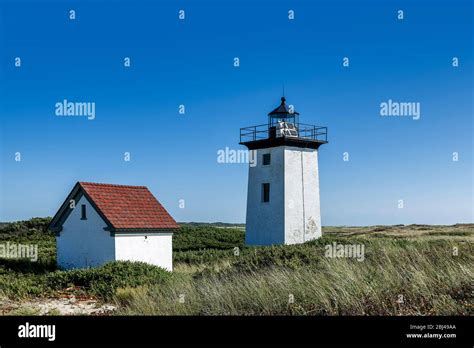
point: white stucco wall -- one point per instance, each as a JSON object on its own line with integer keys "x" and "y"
{"x": 84, "y": 243}
{"x": 152, "y": 248}
{"x": 265, "y": 221}
{"x": 302, "y": 208}
{"x": 293, "y": 213}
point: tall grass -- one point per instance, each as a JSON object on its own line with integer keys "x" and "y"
{"x": 406, "y": 270}
{"x": 396, "y": 278}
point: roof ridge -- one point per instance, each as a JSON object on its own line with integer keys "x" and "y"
{"x": 113, "y": 185}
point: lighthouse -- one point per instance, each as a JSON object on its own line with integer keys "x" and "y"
{"x": 283, "y": 205}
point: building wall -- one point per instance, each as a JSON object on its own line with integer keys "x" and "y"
{"x": 302, "y": 204}
{"x": 152, "y": 248}
{"x": 265, "y": 221}
{"x": 84, "y": 243}
{"x": 293, "y": 214}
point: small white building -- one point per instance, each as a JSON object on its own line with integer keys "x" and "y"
{"x": 283, "y": 205}
{"x": 98, "y": 223}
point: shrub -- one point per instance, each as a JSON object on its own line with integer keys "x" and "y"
{"x": 103, "y": 281}
{"x": 291, "y": 256}
{"x": 204, "y": 237}
{"x": 33, "y": 229}
{"x": 202, "y": 256}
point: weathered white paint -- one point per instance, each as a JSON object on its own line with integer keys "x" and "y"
{"x": 293, "y": 214}
{"x": 302, "y": 204}
{"x": 85, "y": 243}
{"x": 152, "y": 248}
{"x": 265, "y": 221}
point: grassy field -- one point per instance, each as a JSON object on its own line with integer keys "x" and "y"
{"x": 415, "y": 269}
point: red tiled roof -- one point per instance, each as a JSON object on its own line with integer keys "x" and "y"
{"x": 126, "y": 207}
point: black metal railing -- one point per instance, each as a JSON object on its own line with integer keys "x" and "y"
{"x": 305, "y": 131}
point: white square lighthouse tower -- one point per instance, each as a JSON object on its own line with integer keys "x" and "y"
{"x": 283, "y": 188}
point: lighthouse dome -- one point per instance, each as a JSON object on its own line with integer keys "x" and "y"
{"x": 282, "y": 110}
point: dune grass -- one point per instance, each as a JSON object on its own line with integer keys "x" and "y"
{"x": 396, "y": 277}
{"x": 415, "y": 269}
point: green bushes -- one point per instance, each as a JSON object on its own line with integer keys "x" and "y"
{"x": 202, "y": 256}
{"x": 103, "y": 281}
{"x": 32, "y": 232}
{"x": 205, "y": 244}
{"x": 207, "y": 237}
{"x": 33, "y": 229}
{"x": 290, "y": 256}
{"x": 21, "y": 278}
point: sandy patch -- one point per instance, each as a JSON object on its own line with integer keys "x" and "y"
{"x": 56, "y": 306}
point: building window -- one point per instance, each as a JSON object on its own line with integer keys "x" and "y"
{"x": 266, "y": 192}
{"x": 266, "y": 159}
{"x": 83, "y": 212}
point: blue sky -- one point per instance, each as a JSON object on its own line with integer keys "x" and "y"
{"x": 190, "y": 62}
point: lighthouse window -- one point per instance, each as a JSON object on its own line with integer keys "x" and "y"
{"x": 266, "y": 159}
{"x": 265, "y": 192}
